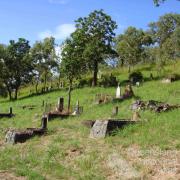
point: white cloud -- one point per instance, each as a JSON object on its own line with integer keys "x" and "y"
{"x": 58, "y": 1}
{"x": 61, "y": 32}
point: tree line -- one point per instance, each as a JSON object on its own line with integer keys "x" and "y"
{"x": 94, "y": 42}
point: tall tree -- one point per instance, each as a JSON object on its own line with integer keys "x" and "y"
{"x": 131, "y": 45}
{"x": 95, "y": 33}
{"x": 164, "y": 27}
{"x": 44, "y": 56}
{"x": 16, "y": 65}
{"x": 165, "y": 33}
{"x": 158, "y": 2}
{"x": 71, "y": 64}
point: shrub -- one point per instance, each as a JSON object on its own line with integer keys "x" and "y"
{"x": 173, "y": 77}
{"x": 108, "y": 81}
{"x": 135, "y": 77}
{"x": 87, "y": 81}
{"x": 3, "y": 91}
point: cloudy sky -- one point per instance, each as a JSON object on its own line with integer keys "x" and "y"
{"x": 37, "y": 19}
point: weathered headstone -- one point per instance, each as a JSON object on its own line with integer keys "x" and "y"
{"x": 99, "y": 129}
{"x": 136, "y": 116}
{"x": 138, "y": 84}
{"x": 151, "y": 76}
{"x": 44, "y": 122}
{"x": 10, "y": 111}
{"x": 60, "y": 104}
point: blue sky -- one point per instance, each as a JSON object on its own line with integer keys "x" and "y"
{"x": 36, "y": 19}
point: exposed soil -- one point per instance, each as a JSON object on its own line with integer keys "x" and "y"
{"x": 5, "y": 175}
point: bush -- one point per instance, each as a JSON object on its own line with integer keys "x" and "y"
{"x": 173, "y": 77}
{"x": 135, "y": 77}
{"x": 3, "y": 91}
{"x": 108, "y": 81}
{"x": 87, "y": 81}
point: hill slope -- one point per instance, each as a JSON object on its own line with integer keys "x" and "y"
{"x": 149, "y": 149}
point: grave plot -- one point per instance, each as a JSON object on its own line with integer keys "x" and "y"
{"x": 103, "y": 98}
{"x": 101, "y": 128}
{"x": 153, "y": 106}
{"x": 14, "y": 136}
{"x": 8, "y": 115}
{"x": 128, "y": 93}
{"x": 171, "y": 78}
{"x": 61, "y": 111}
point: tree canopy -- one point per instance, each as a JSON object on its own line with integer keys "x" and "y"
{"x": 95, "y": 34}
{"x": 131, "y": 45}
{"x": 16, "y": 65}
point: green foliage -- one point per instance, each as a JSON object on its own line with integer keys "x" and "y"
{"x": 16, "y": 66}
{"x": 85, "y": 81}
{"x": 173, "y": 76}
{"x": 135, "y": 77}
{"x": 165, "y": 32}
{"x": 95, "y": 35}
{"x": 3, "y": 90}
{"x": 131, "y": 46}
{"x": 44, "y": 59}
{"x": 66, "y": 152}
{"x": 158, "y": 2}
{"x": 71, "y": 64}
{"x": 108, "y": 81}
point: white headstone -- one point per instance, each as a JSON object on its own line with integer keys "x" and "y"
{"x": 138, "y": 84}
{"x": 118, "y": 92}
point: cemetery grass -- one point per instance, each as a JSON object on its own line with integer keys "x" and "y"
{"x": 67, "y": 152}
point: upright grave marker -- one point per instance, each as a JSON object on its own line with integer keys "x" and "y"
{"x": 60, "y": 104}
{"x": 118, "y": 92}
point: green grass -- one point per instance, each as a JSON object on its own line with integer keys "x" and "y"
{"x": 66, "y": 152}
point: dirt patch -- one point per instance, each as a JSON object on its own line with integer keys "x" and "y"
{"x": 122, "y": 169}
{"x": 155, "y": 163}
{"x": 5, "y": 175}
{"x": 73, "y": 153}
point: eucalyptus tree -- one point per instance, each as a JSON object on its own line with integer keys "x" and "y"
{"x": 165, "y": 33}
{"x": 95, "y": 33}
{"x": 131, "y": 46}
{"x": 16, "y": 65}
{"x": 72, "y": 66}
{"x": 44, "y": 57}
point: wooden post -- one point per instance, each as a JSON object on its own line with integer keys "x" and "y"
{"x": 60, "y": 104}
{"x": 44, "y": 122}
{"x": 10, "y": 110}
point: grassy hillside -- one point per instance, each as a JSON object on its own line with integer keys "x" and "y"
{"x": 67, "y": 152}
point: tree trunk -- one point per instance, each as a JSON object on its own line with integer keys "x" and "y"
{"x": 36, "y": 87}
{"x": 69, "y": 95}
{"x": 59, "y": 80}
{"x": 94, "y": 83}
{"x": 16, "y": 94}
{"x": 45, "y": 80}
{"x": 10, "y": 95}
{"x": 9, "y": 91}
{"x": 129, "y": 69}
{"x": 122, "y": 62}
